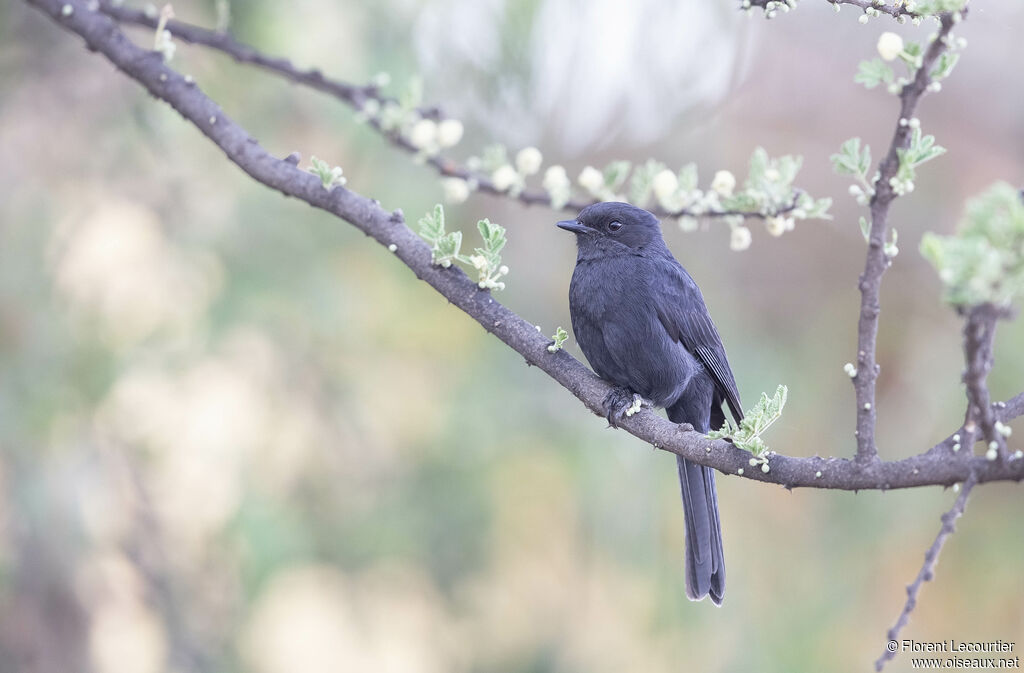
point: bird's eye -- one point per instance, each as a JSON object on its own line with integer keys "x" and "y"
{"x": 615, "y": 226}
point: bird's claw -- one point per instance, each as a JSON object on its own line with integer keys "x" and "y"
{"x": 621, "y": 402}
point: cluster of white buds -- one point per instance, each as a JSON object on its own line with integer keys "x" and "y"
{"x": 723, "y": 183}
{"x": 456, "y": 190}
{"x": 901, "y": 187}
{"x": 426, "y": 135}
{"x": 862, "y": 193}
{"x": 510, "y": 178}
{"x": 558, "y": 186}
{"x": 777, "y": 225}
{"x": 740, "y": 238}
{"x": 591, "y": 180}
{"x": 529, "y": 161}
{"x": 771, "y": 8}
{"x": 505, "y": 178}
{"x": 673, "y": 196}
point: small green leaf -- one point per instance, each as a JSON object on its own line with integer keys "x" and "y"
{"x": 411, "y": 96}
{"x": 615, "y": 174}
{"x": 945, "y": 64}
{"x": 755, "y": 422}
{"x": 688, "y": 177}
{"x": 640, "y": 184}
{"x": 852, "y": 159}
{"x": 874, "y": 72}
{"x": 560, "y": 336}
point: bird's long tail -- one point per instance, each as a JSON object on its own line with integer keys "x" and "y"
{"x": 705, "y": 559}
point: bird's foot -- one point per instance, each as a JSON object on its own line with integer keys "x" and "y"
{"x": 621, "y": 402}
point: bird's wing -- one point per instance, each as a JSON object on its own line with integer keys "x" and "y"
{"x": 682, "y": 312}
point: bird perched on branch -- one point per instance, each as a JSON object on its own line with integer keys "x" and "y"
{"x": 641, "y": 322}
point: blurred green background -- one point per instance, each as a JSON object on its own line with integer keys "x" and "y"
{"x": 236, "y": 435}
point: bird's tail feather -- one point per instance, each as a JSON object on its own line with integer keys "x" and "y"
{"x": 705, "y": 559}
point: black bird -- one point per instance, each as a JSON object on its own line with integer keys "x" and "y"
{"x": 642, "y": 324}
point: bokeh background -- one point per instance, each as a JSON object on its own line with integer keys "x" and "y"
{"x": 236, "y": 435}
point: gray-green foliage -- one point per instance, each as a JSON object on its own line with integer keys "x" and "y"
{"x": 747, "y": 435}
{"x": 642, "y": 182}
{"x": 984, "y": 261}
{"x": 329, "y": 175}
{"x": 559, "y": 337}
{"x": 487, "y": 260}
{"x": 944, "y": 65}
{"x": 922, "y": 148}
{"x": 874, "y": 72}
{"x": 615, "y": 174}
{"x": 445, "y": 248}
{"x": 769, "y": 183}
{"x": 937, "y": 6}
{"x": 852, "y": 159}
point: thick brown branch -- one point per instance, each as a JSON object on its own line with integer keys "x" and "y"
{"x": 356, "y": 97}
{"x": 877, "y": 261}
{"x": 931, "y": 557}
{"x": 938, "y": 466}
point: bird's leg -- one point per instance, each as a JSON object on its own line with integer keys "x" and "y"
{"x": 621, "y": 402}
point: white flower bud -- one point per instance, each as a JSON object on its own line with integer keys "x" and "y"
{"x": 529, "y": 160}
{"x": 850, "y": 370}
{"x": 423, "y": 134}
{"x": 740, "y": 239}
{"x": 890, "y": 46}
{"x": 863, "y": 18}
{"x": 777, "y": 225}
{"x": 665, "y": 184}
{"x": 555, "y": 178}
{"x": 504, "y": 177}
{"x": 591, "y": 179}
{"x": 456, "y": 190}
{"x": 449, "y": 133}
{"x": 723, "y": 183}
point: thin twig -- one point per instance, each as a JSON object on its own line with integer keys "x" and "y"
{"x": 356, "y": 97}
{"x": 877, "y": 261}
{"x": 891, "y": 10}
{"x": 979, "y": 334}
{"x": 937, "y": 466}
{"x": 931, "y": 557}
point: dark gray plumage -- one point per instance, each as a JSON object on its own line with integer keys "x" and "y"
{"x": 642, "y": 324}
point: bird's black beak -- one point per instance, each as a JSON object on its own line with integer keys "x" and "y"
{"x": 574, "y": 226}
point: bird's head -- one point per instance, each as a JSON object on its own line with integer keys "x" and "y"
{"x": 612, "y": 227}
